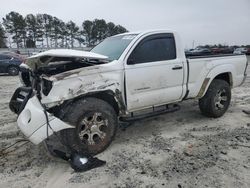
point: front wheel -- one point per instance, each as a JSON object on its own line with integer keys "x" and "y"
{"x": 216, "y": 100}
{"x": 95, "y": 125}
{"x": 13, "y": 71}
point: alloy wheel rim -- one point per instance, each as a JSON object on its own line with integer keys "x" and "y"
{"x": 220, "y": 99}
{"x": 93, "y": 129}
{"x": 13, "y": 71}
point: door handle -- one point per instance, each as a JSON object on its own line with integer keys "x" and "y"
{"x": 177, "y": 67}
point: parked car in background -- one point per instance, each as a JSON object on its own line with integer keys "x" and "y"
{"x": 240, "y": 51}
{"x": 199, "y": 52}
{"x": 13, "y": 54}
{"x": 9, "y": 64}
{"x": 224, "y": 50}
{"x": 248, "y": 51}
{"x": 188, "y": 52}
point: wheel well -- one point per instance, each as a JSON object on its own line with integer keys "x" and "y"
{"x": 226, "y": 77}
{"x": 108, "y": 97}
{"x": 105, "y": 95}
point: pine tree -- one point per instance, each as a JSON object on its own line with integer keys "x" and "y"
{"x": 73, "y": 31}
{"x": 46, "y": 21}
{"x": 34, "y": 28}
{"x": 2, "y": 37}
{"x": 16, "y": 26}
{"x": 97, "y": 30}
{"x": 87, "y": 31}
{"x": 56, "y": 31}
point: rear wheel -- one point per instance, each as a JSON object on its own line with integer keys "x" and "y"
{"x": 95, "y": 125}
{"x": 13, "y": 71}
{"x": 216, "y": 100}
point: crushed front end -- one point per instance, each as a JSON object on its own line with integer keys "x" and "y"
{"x": 33, "y": 119}
{"x": 51, "y": 79}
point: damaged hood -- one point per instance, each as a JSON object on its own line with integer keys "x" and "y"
{"x": 37, "y": 61}
{"x": 70, "y": 53}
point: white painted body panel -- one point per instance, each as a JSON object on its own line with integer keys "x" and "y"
{"x": 141, "y": 86}
{"x": 152, "y": 84}
{"x": 202, "y": 68}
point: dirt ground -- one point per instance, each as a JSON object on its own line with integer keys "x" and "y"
{"x": 182, "y": 150}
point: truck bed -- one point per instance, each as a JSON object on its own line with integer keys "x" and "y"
{"x": 200, "y": 67}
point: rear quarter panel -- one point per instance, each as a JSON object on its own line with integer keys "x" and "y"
{"x": 202, "y": 68}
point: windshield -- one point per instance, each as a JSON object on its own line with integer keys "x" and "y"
{"x": 113, "y": 47}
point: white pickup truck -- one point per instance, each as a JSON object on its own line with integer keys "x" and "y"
{"x": 83, "y": 95}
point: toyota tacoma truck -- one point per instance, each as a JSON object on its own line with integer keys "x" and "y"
{"x": 81, "y": 96}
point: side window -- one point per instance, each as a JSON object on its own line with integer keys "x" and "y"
{"x": 156, "y": 48}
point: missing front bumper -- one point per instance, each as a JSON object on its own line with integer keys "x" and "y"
{"x": 31, "y": 116}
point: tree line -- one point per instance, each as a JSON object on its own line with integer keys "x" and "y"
{"x": 44, "y": 30}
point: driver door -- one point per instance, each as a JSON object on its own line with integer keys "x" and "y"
{"x": 153, "y": 74}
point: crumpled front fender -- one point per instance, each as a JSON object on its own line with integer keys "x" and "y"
{"x": 74, "y": 87}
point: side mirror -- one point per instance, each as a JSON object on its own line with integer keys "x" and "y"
{"x": 131, "y": 61}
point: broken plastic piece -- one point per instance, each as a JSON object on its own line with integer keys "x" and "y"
{"x": 79, "y": 162}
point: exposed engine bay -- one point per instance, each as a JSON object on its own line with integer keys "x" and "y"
{"x": 37, "y": 72}
{"x": 56, "y": 65}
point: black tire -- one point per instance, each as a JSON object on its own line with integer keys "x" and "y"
{"x": 13, "y": 71}
{"x": 216, "y": 100}
{"x": 54, "y": 143}
{"x": 95, "y": 125}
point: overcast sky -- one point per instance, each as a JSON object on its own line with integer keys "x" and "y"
{"x": 202, "y": 21}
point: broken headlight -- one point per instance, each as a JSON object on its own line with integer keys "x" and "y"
{"x": 46, "y": 86}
